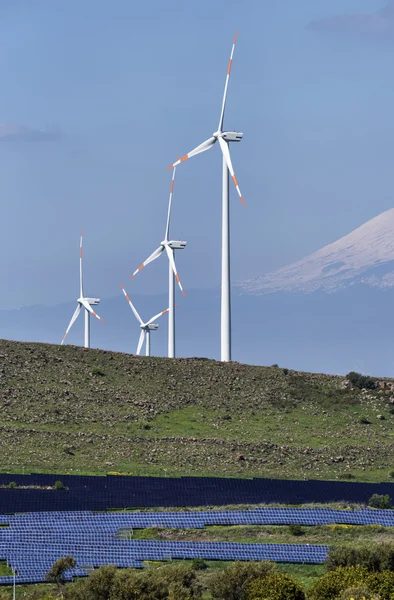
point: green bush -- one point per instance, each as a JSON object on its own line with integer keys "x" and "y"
{"x": 170, "y": 582}
{"x": 358, "y": 593}
{"x": 331, "y": 585}
{"x": 361, "y": 381}
{"x": 198, "y": 564}
{"x": 12, "y": 484}
{"x": 295, "y": 529}
{"x": 374, "y": 557}
{"x": 97, "y": 371}
{"x": 58, "y": 485}
{"x": 379, "y": 501}
{"x": 275, "y": 586}
{"x": 381, "y": 584}
{"x": 232, "y": 583}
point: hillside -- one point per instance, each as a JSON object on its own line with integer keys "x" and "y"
{"x": 67, "y": 409}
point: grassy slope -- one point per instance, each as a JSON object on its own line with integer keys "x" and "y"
{"x": 330, "y": 535}
{"x": 67, "y": 409}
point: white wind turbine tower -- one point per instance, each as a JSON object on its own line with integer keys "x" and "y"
{"x": 223, "y": 137}
{"x": 169, "y": 246}
{"x": 86, "y": 303}
{"x": 146, "y": 328}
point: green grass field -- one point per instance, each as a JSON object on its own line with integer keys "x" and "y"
{"x": 71, "y": 410}
{"x": 5, "y": 571}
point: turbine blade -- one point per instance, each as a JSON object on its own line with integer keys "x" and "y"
{"x": 80, "y": 265}
{"x": 170, "y": 254}
{"x": 220, "y": 128}
{"x": 170, "y": 204}
{"x": 90, "y": 309}
{"x": 132, "y": 305}
{"x": 227, "y": 158}
{"x": 73, "y": 319}
{"x": 163, "y": 312}
{"x": 150, "y": 258}
{"x": 201, "y": 148}
{"x": 140, "y": 342}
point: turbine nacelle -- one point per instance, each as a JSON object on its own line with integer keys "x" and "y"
{"x": 232, "y": 136}
{"x": 91, "y": 301}
{"x": 150, "y": 327}
{"x": 176, "y": 244}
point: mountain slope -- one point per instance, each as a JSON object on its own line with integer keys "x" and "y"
{"x": 67, "y": 409}
{"x": 366, "y": 255}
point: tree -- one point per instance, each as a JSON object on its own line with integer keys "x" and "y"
{"x": 172, "y": 582}
{"x": 179, "y": 581}
{"x": 380, "y": 501}
{"x": 232, "y": 583}
{"x": 331, "y": 585}
{"x": 358, "y": 593}
{"x": 361, "y": 381}
{"x": 275, "y": 586}
{"x": 58, "y": 570}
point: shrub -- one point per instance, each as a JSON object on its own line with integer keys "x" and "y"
{"x": 232, "y": 583}
{"x": 58, "y": 485}
{"x": 98, "y": 371}
{"x": 275, "y": 366}
{"x": 285, "y": 371}
{"x": 379, "y": 501}
{"x": 382, "y": 584}
{"x": 374, "y": 557}
{"x": 12, "y": 484}
{"x": 198, "y": 564}
{"x": 361, "y": 381}
{"x": 331, "y": 585}
{"x": 365, "y": 421}
{"x": 296, "y": 529}
{"x": 275, "y": 586}
{"x": 170, "y": 582}
{"x": 357, "y": 593}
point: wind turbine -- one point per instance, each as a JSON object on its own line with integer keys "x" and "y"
{"x": 145, "y": 327}
{"x": 224, "y": 138}
{"x": 169, "y": 246}
{"x": 86, "y": 303}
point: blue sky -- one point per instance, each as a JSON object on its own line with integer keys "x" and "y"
{"x": 131, "y": 85}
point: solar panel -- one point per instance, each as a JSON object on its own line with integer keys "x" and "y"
{"x": 40, "y": 538}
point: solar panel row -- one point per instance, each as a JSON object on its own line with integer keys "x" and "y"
{"x": 102, "y": 493}
{"x": 32, "y": 542}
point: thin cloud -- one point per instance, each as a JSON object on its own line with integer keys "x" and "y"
{"x": 14, "y": 132}
{"x": 379, "y": 23}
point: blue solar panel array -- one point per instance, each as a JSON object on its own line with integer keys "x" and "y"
{"x": 32, "y": 542}
{"x": 102, "y": 493}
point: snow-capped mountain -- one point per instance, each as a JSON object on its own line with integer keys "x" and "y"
{"x": 366, "y": 255}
